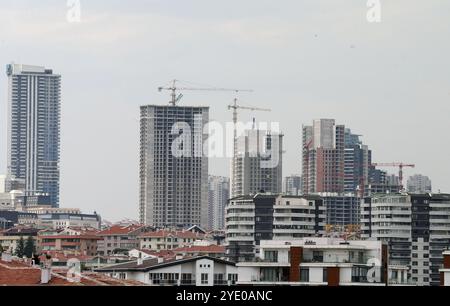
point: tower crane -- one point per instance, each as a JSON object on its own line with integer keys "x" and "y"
{"x": 400, "y": 166}
{"x": 175, "y": 98}
{"x": 235, "y": 108}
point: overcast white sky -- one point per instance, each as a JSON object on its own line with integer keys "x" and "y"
{"x": 388, "y": 81}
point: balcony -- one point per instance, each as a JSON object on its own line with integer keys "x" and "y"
{"x": 357, "y": 260}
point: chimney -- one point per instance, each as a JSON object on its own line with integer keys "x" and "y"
{"x": 46, "y": 275}
{"x": 140, "y": 261}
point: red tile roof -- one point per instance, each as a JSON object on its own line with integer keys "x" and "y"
{"x": 178, "y": 234}
{"x": 83, "y": 237}
{"x": 63, "y": 257}
{"x": 159, "y": 253}
{"x": 119, "y": 230}
{"x": 201, "y": 249}
{"x": 20, "y": 274}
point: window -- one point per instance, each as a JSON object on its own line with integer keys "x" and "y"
{"x": 325, "y": 275}
{"x": 219, "y": 279}
{"x": 317, "y": 256}
{"x": 186, "y": 279}
{"x": 271, "y": 256}
{"x": 269, "y": 274}
{"x": 233, "y": 278}
{"x": 204, "y": 279}
{"x": 304, "y": 275}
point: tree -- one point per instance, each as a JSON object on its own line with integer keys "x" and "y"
{"x": 20, "y": 249}
{"x": 29, "y": 247}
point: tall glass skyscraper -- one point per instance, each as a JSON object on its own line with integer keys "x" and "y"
{"x": 173, "y": 173}
{"x": 34, "y": 106}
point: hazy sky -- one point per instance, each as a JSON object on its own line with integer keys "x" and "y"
{"x": 389, "y": 81}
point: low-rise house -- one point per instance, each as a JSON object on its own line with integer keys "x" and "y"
{"x": 143, "y": 254}
{"x": 198, "y": 271}
{"x": 75, "y": 243}
{"x": 10, "y": 238}
{"x": 19, "y": 273}
{"x": 62, "y": 259}
{"x": 167, "y": 239}
{"x": 119, "y": 238}
{"x": 321, "y": 262}
{"x": 199, "y": 250}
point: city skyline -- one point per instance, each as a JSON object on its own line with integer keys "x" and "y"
{"x": 285, "y": 67}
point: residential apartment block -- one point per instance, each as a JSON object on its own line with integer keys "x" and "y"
{"x": 323, "y": 157}
{"x": 292, "y": 185}
{"x": 251, "y": 219}
{"x": 173, "y": 185}
{"x": 34, "y": 106}
{"x": 342, "y": 210}
{"x": 194, "y": 271}
{"x": 74, "y": 242}
{"x": 218, "y": 195}
{"x": 119, "y": 238}
{"x": 258, "y": 163}
{"x": 167, "y": 240}
{"x": 10, "y": 238}
{"x": 321, "y": 262}
{"x": 416, "y": 228}
{"x": 419, "y": 184}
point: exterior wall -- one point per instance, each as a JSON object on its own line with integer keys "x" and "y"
{"x": 219, "y": 193}
{"x": 193, "y": 268}
{"x": 292, "y": 185}
{"x": 323, "y": 157}
{"x": 446, "y": 278}
{"x": 250, "y": 175}
{"x": 250, "y": 220}
{"x": 417, "y": 228}
{"x": 173, "y": 191}
{"x": 205, "y": 267}
{"x": 34, "y": 102}
{"x": 164, "y": 243}
{"x": 324, "y": 261}
{"x": 70, "y": 243}
{"x": 342, "y": 210}
{"x": 419, "y": 184}
{"x": 9, "y": 243}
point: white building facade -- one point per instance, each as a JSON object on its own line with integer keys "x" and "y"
{"x": 251, "y": 219}
{"x": 321, "y": 262}
{"x": 196, "y": 271}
